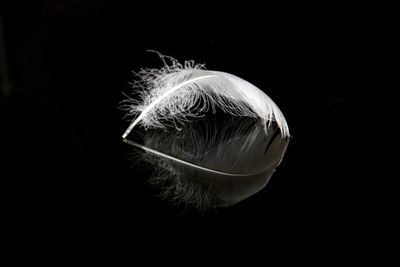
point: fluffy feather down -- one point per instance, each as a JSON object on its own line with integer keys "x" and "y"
{"x": 206, "y": 162}
{"x": 173, "y": 91}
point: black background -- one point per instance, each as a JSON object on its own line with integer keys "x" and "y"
{"x": 69, "y": 195}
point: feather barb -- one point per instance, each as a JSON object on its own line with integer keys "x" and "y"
{"x": 159, "y": 99}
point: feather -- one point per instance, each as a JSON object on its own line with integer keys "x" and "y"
{"x": 213, "y": 138}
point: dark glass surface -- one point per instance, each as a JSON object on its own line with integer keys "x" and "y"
{"x": 69, "y": 194}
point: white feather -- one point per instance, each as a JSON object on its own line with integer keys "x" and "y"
{"x": 209, "y": 160}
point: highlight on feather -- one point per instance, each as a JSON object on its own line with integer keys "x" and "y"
{"x": 213, "y": 139}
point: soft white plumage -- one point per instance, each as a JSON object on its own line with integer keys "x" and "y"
{"x": 200, "y": 155}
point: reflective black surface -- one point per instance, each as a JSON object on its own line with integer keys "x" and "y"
{"x": 69, "y": 195}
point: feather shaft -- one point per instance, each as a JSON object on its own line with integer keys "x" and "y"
{"x": 158, "y": 153}
{"x": 159, "y": 99}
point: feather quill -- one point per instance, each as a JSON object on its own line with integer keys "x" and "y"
{"x": 214, "y": 139}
